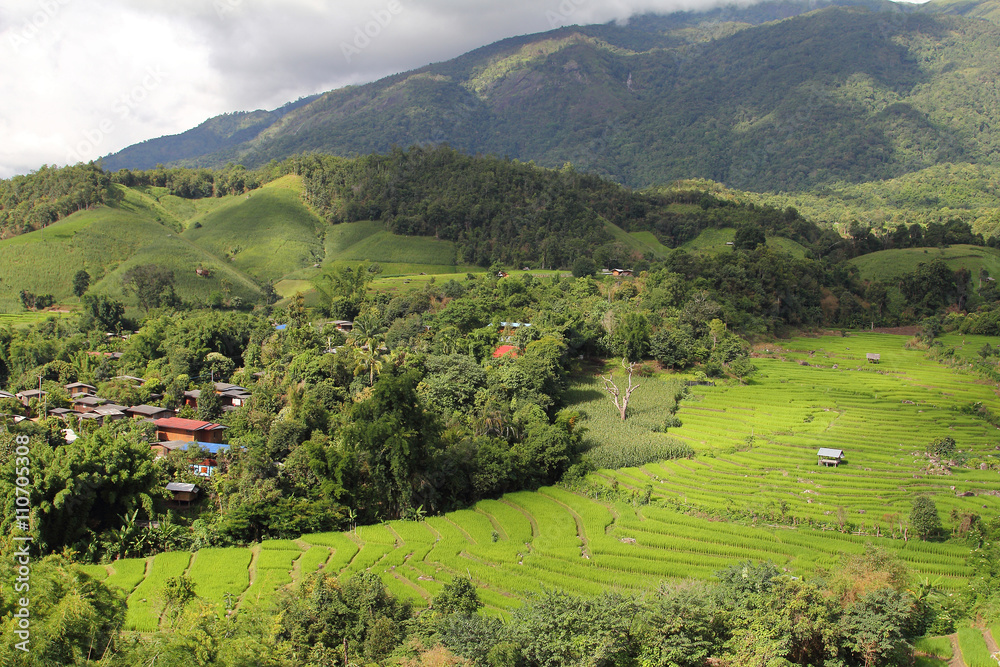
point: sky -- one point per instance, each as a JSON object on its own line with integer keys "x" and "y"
{"x": 84, "y": 78}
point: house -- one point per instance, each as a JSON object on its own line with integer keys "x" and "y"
{"x": 87, "y": 402}
{"x": 191, "y": 397}
{"x": 110, "y": 413}
{"x": 62, "y": 413}
{"x": 131, "y": 378}
{"x": 161, "y": 449}
{"x": 26, "y": 396}
{"x": 506, "y": 350}
{"x": 621, "y": 272}
{"x": 148, "y": 412}
{"x": 192, "y": 430}
{"x": 77, "y": 388}
{"x": 4, "y": 394}
{"x": 203, "y": 466}
{"x": 873, "y": 358}
{"x": 221, "y": 387}
{"x": 89, "y": 417}
{"x": 345, "y": 326}
{"x": 830, "y": 457}
{"x": 181, "y": 494}
{"x": 234, "y": 398}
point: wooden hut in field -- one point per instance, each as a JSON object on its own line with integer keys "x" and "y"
{"x": 830, "y": 457}
{"x": 873, "y": 358}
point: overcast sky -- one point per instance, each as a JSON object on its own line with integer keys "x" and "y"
{"x": 83, "y": 78}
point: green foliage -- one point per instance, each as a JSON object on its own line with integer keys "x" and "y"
{"x": 90, "y": 484}
{"x": 924, "y": 518}
{"x": 72, "y": 618}
{"x": 152, "y": 285}
{"x": 457, "y": 597}
{"x": 81, "y": 281}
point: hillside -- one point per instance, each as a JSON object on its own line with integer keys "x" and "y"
{"x": 266, "y": 234}
{"x": 843, "y": 94}
{"x": 106, "y": 242}
{"x": 603, "y": 536}
{"x": 887, "y": 265}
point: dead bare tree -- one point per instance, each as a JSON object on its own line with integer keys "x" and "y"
{"x": 621, "y": 401}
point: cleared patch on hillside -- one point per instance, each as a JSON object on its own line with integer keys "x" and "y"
{"x": 890, "y": 264}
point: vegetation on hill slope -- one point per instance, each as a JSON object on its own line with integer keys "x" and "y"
{"x": 843, "y": 94}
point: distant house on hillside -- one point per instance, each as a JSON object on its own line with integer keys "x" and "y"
{"x": 80, "y": 388}
{"x": 191, "y": 430}
{"x": 830, "y": 457}
{"x": 506, "y": 350}
{"x": 149, "y": 412}
{"x": 621, "y": 272}
{"x": 87, "y": 402}
{"x": 26, "y": 396}
{"x": 873, "y": 358}
{"x": 181, "y": 494}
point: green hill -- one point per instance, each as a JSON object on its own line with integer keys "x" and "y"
{"x": 266, "y": 234}
{"x": 889, "y": 264}
{"x": 106, "y": 242}
{"x": 773, "y": 97}
{"x": 967, "y": 192}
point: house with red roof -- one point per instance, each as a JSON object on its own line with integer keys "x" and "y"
{"x": 506, "y": 350}
{"x": 190, "y": 430}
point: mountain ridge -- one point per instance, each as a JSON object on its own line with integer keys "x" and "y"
{"x": 776, "y": 96}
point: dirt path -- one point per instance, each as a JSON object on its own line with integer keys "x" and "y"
{"x": 991, "y": 643}
{"x": 956, "y": 658}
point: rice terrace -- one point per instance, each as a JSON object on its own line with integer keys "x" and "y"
{"x": 751, "y": 491}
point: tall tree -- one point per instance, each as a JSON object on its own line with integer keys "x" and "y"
{"x": 151, "y": 284}
{"x": 81, "y": 282}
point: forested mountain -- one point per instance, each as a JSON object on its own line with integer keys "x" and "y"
{"x": 746, "y": 97}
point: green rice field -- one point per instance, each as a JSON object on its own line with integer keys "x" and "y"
{"x": 809, "y": 393}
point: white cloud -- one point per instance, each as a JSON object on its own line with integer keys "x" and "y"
{"x": 84, "y": 78}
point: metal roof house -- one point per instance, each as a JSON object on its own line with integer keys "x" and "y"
{"x": 830, "y": 457}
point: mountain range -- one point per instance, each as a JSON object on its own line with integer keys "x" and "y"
{"x": 778, "y": 96}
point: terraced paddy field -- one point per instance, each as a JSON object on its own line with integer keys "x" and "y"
{"x": 821, "y": 392}
{"x": 883, "y": 416}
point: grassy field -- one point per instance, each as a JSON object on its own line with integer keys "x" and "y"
{"x": 890, "y": 264}
{"x": 810, "y": 393}
{"x": 106, "y": 242}
{"x": 266, "y": 234}
{"x": 714, "y": 241}
{"x": 638, "y": 242}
